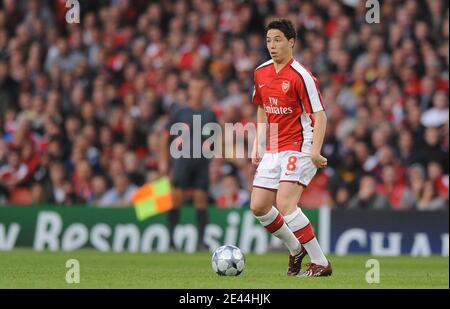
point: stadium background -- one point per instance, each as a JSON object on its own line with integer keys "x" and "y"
{"x": 82, "y": 106}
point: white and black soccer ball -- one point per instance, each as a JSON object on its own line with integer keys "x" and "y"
{"x": 228, "y": 260}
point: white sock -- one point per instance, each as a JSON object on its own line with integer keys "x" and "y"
{"x": 302, "y": 229}
{"x": 296, "y": 220}
{"x": 275, "y": 224}
{"x": 315, "y": 252}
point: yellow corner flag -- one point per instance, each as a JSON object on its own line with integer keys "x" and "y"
{"x": 152, "y": 198}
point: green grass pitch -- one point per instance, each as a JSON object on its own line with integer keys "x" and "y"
{"x": 28, "y": 269}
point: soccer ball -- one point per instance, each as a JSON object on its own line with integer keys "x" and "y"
{"x": 228, "y": 260}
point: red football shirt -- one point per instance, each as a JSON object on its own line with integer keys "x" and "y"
{"x": 289, "y": 98}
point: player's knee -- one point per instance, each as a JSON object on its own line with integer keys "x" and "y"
{"x": 285, "y": 207}
{"x": 258, "y": 210}
{"x": 177, "y": 201}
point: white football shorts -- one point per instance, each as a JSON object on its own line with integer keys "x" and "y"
{"x": 288, "y": 165}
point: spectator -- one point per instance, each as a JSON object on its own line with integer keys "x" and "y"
{"x": 342, "y": 197}
{"x": 14, "y": 171}
{"x": 432, "y": 150}
{"x": 406, "y": 152}
{"x": 232, "y": 195}
{"x": 429, "y": 199}
{"x": 367, "y": 197}
{"x": 385, "y": 156}
{"x": 395, "y": 191}
{"x": 348, "y": 175}
{"x": 132, "y": 168}
{"x": 3, "y": 152}
{"x": 38, "y": 197}
{"x": 99, "y": 188}
{"x": 438, "y": 114}
{"x": 416, "y": 182}
{"x": 71, "y": 196}
{"x": 82, "y": 179}
{"x": 438, "y": 178}
{"x": 120, "y": 195}
{"x": 8, "y": 87}
{"x": 55, "y": 191}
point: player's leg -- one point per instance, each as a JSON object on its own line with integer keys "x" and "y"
{"x": 180, "y": 182}
{"x": 262, "y": 207}
{"x": 173, "y": 217}
{"x": 297, "y": 172}
{"x": 200, "y": 183}
{"x": 200, "y": 198}
{"x": 287, "y": 197}
{"x": 262, "y": 199}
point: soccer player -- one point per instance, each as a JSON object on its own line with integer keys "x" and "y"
{"x": 288, "y": 99}
{"x": 188, "y": 174}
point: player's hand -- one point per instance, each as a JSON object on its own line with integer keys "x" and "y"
{"x": 256, "y": 156}
{"x": 318, "y": 160}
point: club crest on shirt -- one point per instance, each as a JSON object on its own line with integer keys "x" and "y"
{"x": 285, "y": 86}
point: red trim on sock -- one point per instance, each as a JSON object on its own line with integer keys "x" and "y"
{"x": 305, "y": 234}
{"x": 276, "y": 224}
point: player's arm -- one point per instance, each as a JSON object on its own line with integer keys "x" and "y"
{"x": 320, "y": 125}
{"x": 261, "y": 129}
{"x": 164, "y": 153}
{"x": 261, "y": 124}
{"x": 308, "y": 90}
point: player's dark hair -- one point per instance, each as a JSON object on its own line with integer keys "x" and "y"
{"x": 285, "y": 26}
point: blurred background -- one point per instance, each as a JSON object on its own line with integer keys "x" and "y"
{"x": 82, "y": 105}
